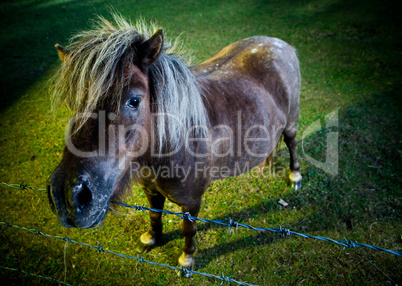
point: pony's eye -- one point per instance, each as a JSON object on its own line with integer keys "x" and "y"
{"x": 134, "y": 102}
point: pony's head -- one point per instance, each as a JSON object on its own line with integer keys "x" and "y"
{"x": 129, "y": 94}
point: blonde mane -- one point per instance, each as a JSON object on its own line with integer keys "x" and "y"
{"x": 98, "y": 68}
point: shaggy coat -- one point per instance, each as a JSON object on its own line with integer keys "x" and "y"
{"x": 142, "y": 114}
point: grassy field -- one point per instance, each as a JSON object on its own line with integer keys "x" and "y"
{"x": 350, "y": 55}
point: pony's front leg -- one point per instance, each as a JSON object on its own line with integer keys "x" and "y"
{"x": 188, "y": 230}
{"x": 156, "y": 201}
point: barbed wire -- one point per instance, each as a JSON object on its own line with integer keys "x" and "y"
{"x": 230, "y": 223}
{"x": 21, "y": 186}
{"x": 53, "y": 280}
{"x": 183, "y": 271}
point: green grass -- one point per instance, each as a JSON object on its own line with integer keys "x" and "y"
{"x": 350, "y": 56}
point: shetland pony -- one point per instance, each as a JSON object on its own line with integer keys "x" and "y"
{"x": 143, "y": 115}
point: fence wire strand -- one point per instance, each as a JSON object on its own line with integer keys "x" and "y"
{"x": 53, "y": 280}
{"x": 21, "y": 186}
{"x": 284, "y": 231}
{"x": 229, "y": 223}
{"x": 100, "y": 249}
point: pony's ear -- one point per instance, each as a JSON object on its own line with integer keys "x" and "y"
{"x": 63, "y": 53}
{"x": 149, "y": 51}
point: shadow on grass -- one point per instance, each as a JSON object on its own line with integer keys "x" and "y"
{"x": 29, "y": 31}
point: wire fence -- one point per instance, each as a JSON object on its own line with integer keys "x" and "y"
{"x": 50, "y": 279}
{"x": 229, "y": 223}
{"x": 22, "y": 186}
{"x": 183, "y": 271}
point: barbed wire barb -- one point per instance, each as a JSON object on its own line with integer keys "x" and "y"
{"x": 230, "y": 223}
{"x": 280, "y": 229}
{"x": 21, "y": 186}
{"x": 101, "y": 249}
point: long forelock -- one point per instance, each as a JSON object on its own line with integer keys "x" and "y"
{"x": 99, "y": 68}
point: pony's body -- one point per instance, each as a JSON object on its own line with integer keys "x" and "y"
{"x": 248, "y": 98}
{"x": 243, "y": 84}
{"x": 238, "y": 99}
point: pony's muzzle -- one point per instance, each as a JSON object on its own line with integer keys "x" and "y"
{"x": 73, "y": 203}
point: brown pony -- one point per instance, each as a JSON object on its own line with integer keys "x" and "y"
{"x": 143, "y": 115}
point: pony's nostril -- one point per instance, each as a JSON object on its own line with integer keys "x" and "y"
{"x": 82, "y": 196}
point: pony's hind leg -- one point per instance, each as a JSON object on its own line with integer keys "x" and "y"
{"x": 157, "y": 201}
{"x": 291, "y": 142}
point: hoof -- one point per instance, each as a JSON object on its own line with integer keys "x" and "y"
{"x": 184, "y": 274}
{"x": 296, "y": 179}
{"x": 147, "y": 239}
{"x": 296, "y": 185}
{"x": 186, "y": 261}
